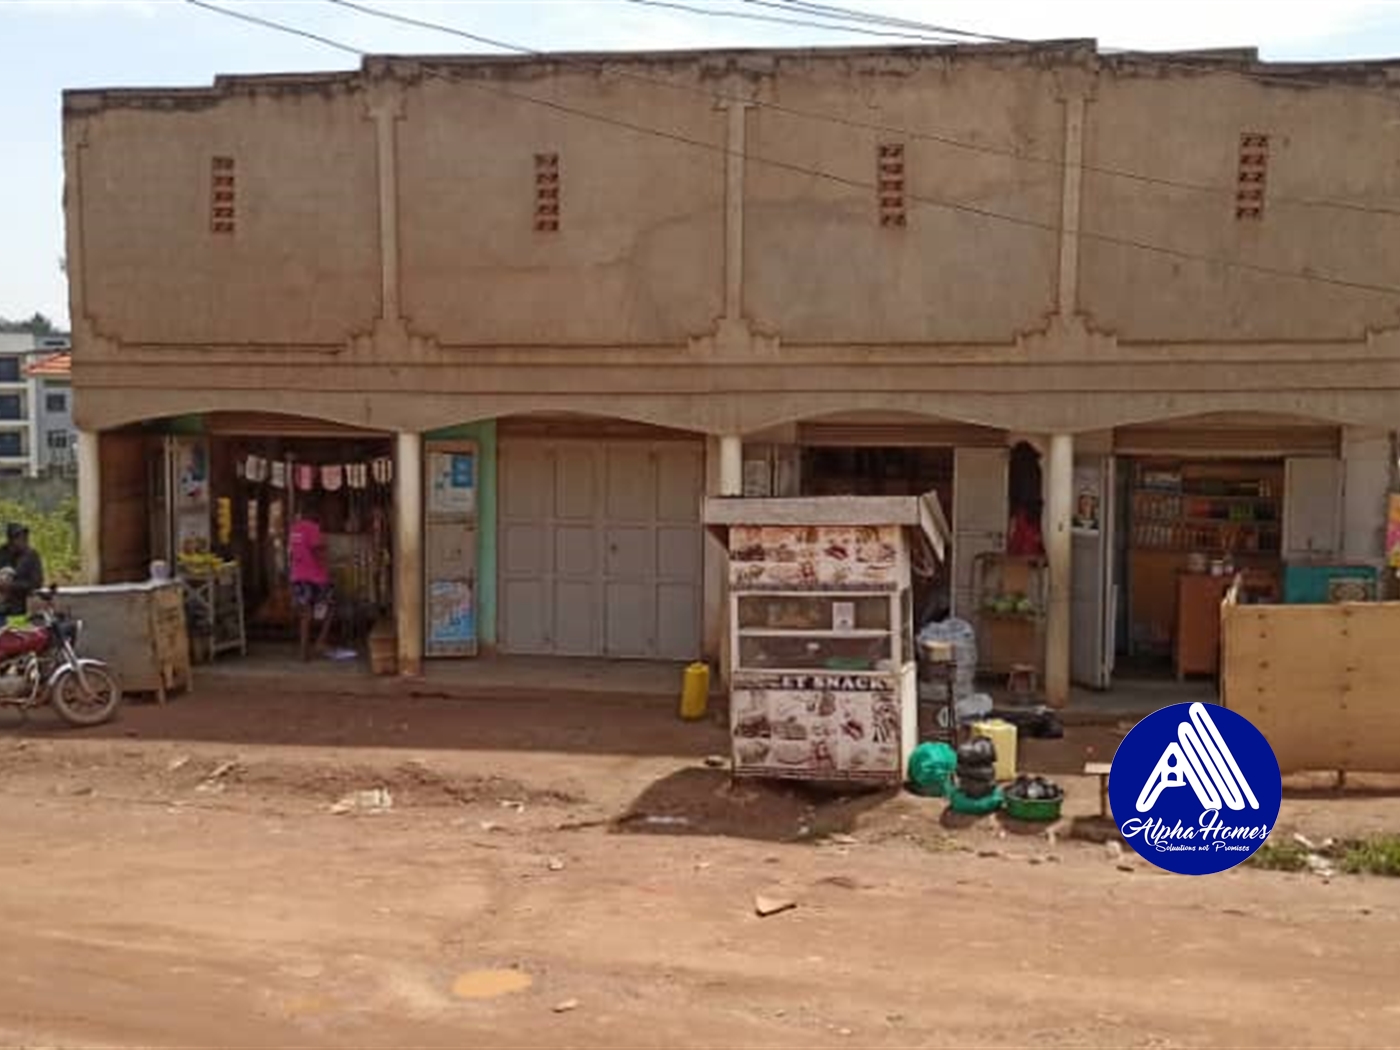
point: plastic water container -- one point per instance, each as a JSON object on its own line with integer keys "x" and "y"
{"x": 1003, "y": 737}
{"x": 695, "y": 692}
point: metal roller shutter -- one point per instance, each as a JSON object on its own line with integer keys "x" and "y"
{"x": 601, "y": 548}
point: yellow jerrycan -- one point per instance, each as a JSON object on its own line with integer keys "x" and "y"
{"x": 695, "y": 692}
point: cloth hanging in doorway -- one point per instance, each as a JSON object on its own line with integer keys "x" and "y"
{"x": 305, "y": 477}
{"x": 383, "y": 471}
{"x": 332, "y": 476}
{"x": 356, "y": 475}
{"x": 279, "y": 475}
{"x": 255, "y": 469}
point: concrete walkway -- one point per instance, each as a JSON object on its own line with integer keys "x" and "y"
{"x": 277, "y": 667}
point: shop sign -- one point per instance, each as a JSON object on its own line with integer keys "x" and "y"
{"x": 453, "y": 483}
{"x": 819, "y": 681}
{"x": 813, "y": 557}
{"x": 836, "y": 727}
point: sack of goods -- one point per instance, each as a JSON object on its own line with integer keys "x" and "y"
{"x": 961, "y": 637}
{"x": 977, "y": 768}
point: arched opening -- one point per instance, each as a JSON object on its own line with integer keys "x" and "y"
{"x": 216, "y": 499}
{"x": 897, "y": 454}
{"x": 587, "y": 541}
{"x": 1199, "y": 499}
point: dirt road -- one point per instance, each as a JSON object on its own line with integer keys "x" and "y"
{"x": 168, "y": 888}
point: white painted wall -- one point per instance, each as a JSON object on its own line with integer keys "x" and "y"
{"x": 1366, "y": 483}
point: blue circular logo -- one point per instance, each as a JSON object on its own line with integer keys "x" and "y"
{"x": 1195, "y": 788}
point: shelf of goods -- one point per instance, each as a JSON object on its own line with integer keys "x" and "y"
{"x": 216, "y": 606}
{"x": 1207, "y": 513}
{"x": 1186, "y": 516}
{"x": 1011, "y": 595}
{"x": 821, "y": 634}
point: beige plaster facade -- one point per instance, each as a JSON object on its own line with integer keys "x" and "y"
{"x": 720, "y": 266}
{"x": 385, "y": 270}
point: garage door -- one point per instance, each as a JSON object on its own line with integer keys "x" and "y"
{"x": 601, "y": 548}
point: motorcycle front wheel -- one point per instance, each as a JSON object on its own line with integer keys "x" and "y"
{"x": 91, "y": 706}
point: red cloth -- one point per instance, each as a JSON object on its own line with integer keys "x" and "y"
{"x": 1024, "y": 539}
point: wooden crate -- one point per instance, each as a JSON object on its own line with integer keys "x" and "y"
{"x": 137, "y": 628}
{"x": 1319, "y": 681}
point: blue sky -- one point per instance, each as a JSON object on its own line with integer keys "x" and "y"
{"x": 48, "y": 45}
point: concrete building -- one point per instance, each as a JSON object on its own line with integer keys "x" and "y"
{"x": 31, "y": 405}
{"x": 53, "y": 436}
{"x": 632, "y": 279}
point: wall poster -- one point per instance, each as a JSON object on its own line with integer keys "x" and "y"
{"x": 1088, "y": 498}
{"x": 822, "y": 725}
{"x": 827, "y": 557}
{"x": 451, "y": 613}
{"x": 452, "y": 483}
{"x": 1392, "y": 530}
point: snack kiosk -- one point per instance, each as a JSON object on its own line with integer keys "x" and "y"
{"x": 821, "y": 631}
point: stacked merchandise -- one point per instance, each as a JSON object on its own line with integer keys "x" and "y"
{"x": 977, "y": 760}
{"x": 961, "y": 637}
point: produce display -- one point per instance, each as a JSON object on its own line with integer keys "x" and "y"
{"x": 1010, "y": 605}
{"x": 201, "y": 564}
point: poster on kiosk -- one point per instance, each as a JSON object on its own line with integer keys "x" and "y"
{"x": 450, "y": 550}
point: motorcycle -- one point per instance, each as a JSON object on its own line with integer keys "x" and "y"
{"x": 39, "y": 664}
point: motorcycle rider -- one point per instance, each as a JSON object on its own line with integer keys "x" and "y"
{"x": 21, "y": 571}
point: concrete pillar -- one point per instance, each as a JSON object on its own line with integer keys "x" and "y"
{"x": 408, "y": 552}
{"x": 89, "y": 453}
{"x": 731, "y": 465}
{"x": 1059, "y": 506}
{"x": 1071, "y": 197}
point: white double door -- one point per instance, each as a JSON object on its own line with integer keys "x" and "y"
{"x": 601, "y": 547}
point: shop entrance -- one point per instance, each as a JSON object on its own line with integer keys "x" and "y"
{"x": 213, "y": 498}
{"x": 601, "y": 548}
{"x": 259, "y": 484}
{"x": 835, "y": 470}
{"x": 1189, "y": 526}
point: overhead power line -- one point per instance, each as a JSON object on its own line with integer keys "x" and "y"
{"x": 1200, "y": 63}
{"x": 805, "y": 23}
{"x": 450, "y": 73}
{"x": 846, "y": 14}
{"x": 1224, "y": 193}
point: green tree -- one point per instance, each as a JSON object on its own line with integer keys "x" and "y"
{"x": 36, "y": 325}
{"x": 53, "y": 534}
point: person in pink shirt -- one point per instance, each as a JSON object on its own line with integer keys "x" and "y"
{"x": 311, "y": 577}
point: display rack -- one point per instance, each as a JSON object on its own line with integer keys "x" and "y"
{"x": 1011, "y": 594}
{"x": 1208, "y": 511}
{"x": 1195, "y": 516}
{"x": 216, "y": 608}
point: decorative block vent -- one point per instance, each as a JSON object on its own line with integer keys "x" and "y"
{"x": 1249, "y": 186}
{"x": 222, "y": 191}
{"x": 889, "y": 173}
{"x": 546, "y": 192}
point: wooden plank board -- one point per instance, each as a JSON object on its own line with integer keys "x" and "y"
{"x": 1318, "y": 680}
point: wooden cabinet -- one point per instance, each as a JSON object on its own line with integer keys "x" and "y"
{"x": 1198, "y": 599}
{"x": 138, "y": 629}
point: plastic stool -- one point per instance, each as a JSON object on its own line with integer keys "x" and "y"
{"x": 1023, "y": 680}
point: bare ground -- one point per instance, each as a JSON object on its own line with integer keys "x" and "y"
{"x": 179, "y": 879}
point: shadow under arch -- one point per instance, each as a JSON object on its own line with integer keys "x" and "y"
{"x": 909, "y": 420}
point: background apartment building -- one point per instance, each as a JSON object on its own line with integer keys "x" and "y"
{"x": 36, "y": 422}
